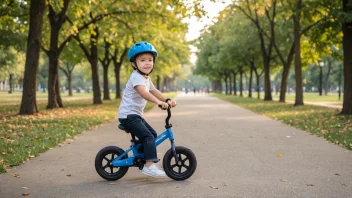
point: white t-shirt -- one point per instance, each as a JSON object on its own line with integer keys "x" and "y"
{"x": 132, "y": 102}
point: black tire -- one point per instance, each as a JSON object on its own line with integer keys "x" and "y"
{"x": 103, "y": 166}
{"x": 186, "y": 167}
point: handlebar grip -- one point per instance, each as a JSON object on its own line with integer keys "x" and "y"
{"x": 167, "y": 99}
{"x": 161, "y": 107}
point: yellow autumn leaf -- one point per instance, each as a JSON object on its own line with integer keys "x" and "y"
{"x": 279, "y": 155}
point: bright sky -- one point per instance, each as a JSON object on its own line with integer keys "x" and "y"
{"x": 195, "y": 26}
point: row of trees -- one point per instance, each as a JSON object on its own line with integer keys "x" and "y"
{"x": 98, "y": 32}
{"x": 260, "y": 37}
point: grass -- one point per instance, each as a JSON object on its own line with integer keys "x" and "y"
{"x": 320, "y": 121}
{"x": 308, "y": 96}
{"x": 24, "y": 137}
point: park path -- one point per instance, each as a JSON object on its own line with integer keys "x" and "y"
{"x": 239, "y": 153}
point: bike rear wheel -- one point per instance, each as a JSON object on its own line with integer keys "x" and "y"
{"x": 186, "y": 166}
{"x": 103, "y": 163}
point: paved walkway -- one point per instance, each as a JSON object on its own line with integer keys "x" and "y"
{"x": 239, "y": 153}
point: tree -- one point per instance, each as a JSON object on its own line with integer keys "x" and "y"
{"x": 255, "y": 12}
{"x": 28, "y": 103}
{"x": 347, "y": 47}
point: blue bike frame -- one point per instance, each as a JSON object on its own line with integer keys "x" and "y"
{"x": 129, "y": 161}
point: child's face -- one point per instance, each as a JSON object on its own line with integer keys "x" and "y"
{"x": 145, "y": 62}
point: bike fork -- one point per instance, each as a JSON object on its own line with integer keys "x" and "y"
{"x": 174, "y": 151}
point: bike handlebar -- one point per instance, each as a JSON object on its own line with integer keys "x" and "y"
{"x": 167, "y": 124}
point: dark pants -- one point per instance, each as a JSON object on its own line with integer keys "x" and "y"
{"x": 136, "y": 125}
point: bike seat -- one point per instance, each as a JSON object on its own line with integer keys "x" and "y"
{"x": 123, "y": 128}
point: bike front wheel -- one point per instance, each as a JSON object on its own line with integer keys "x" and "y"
{"x": 186, "y": 166}
{"x": 103, "y": 163}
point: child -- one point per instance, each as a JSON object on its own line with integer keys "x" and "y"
{"x": 140, "y": 89}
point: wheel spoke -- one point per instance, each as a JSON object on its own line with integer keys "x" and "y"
{"x": 107, "y": 165}
{"x": 179, "y": 169}
{"x": 106, "y": 159}
{"x": 179, "y": 157}
{"x": 112, "y": 156}
{"x": 187, "y": 167}
{"x": 173, "y": 166}
{"x": 111, "y": 169}
{"x": 183, "y": 161}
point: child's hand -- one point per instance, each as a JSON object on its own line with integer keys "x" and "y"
{"x": 172, "y": 103}
{"x": 164, "y": 105}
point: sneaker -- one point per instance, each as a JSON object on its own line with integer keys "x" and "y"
{"x": 153, "y": 171}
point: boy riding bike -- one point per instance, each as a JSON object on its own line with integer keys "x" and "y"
{"x": 140, "y": 89}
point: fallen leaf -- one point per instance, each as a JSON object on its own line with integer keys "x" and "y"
{"x": 62, "y": 169}
{"x": 283, "y": 180}
{"x": 251, "y": 136}
{"x": 337, "y": 174}
{"x": 25, "y": 194}
{"x": 279, "y": 155}
{"x": 24, "y": 187}
{"x": 16, "y": 175}
{"x": 310, "y": 184}
{"x": 213, "y": 187}
{"x": 69, "y": 175}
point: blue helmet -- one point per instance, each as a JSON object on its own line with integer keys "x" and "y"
{"x": 141, "y": 47}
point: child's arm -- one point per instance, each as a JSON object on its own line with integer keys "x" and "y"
{"x": 161, "y": 97}
{"x": 150, "y": 97}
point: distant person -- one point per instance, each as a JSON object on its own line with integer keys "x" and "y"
{"x": 140, "y": 89}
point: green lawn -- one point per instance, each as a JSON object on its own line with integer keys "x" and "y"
{"x": 316, "y": 120}
{"x": 24, "y": 137}
{"x": 312, "y": 97}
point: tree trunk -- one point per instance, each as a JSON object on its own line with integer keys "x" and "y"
{"x": 327, "y": 79}
{"x": 52, "y": 79}
{"x": 106, "y": 83}
{"x": 234, "y": 83}
{"x": 230, "y": 83}
{"x": 298, "y": 61}
{"x": 241, "y": 83}
{"x": 10, "y": 83}
{"x": 347, "y": 50}
{"x": 267, "y": 86}
{"x": 94, "y": 66}
{"x": 106, "y": 63}
{"x": 258, "y": 82}
{"x": 69, "y": 80}
{"x": 321, "y": 81}
{"x": 56, "y": 21}
{"x": 117, "y": 67}
{"x": 57, "y": 91}
{"x": 283, "y": 86}
{"x": 36, "y": 12}
{"x": 340, "y": 79}
{"x": 117, "y": 80}
{"x": 226, "y": 84}
{"x": 250, "y": 80}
